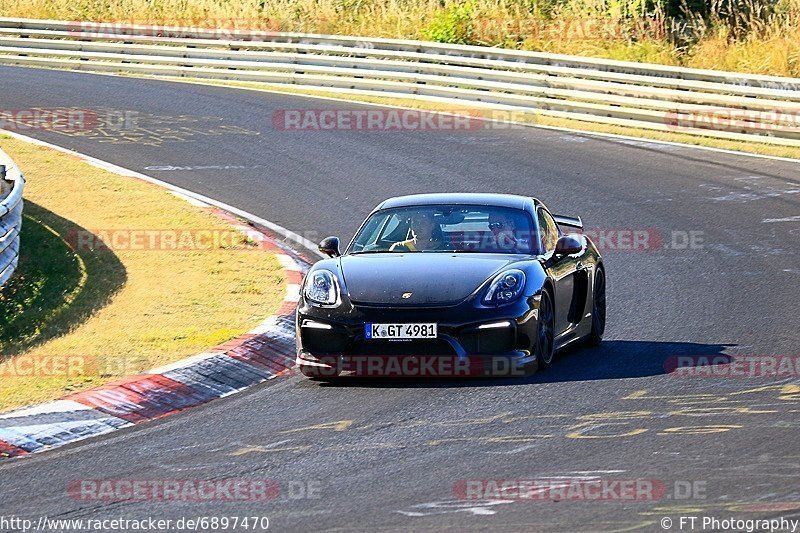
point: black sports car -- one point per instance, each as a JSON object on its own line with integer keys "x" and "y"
{"x": 451, "y": 285}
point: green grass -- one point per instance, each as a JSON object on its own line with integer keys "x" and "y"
{"x": 119, "y": 311}
{"x": 54, "y": 287}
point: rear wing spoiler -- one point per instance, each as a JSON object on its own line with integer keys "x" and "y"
{"x": 572, "y": 222}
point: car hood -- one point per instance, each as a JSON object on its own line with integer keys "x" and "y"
{"x": 431, "y": 278}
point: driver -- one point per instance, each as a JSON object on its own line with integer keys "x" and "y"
{"x": 424, "y": 234}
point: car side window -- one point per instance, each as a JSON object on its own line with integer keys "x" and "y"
{"x": 548, "y": 231}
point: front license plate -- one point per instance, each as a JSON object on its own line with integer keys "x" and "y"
{"x": 399, "y": 331}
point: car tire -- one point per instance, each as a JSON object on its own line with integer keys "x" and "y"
{"x": 545, "y": 331}
{"x": 598, "y": 309}
{"x": 327, "y": 379}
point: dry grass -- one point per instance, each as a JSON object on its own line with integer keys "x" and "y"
{"x": 748, "y": 37}
{"x": 123, "y": 311}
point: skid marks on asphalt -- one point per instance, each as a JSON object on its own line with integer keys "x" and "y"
{"x": 737, "y": 408}
{"x": 500, "y": 515}
{"x": 584, "y": 511}
{"x": 484, "y": 507}
{"x": 492, "y": 508}
{"x": 121, "y": 126}
{"x": 749, "y": 188}
{"x": 682, "y": 420}
{"x": 651, "y": 415}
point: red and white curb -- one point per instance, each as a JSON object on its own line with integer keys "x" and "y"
{"x": 264, "y": 353}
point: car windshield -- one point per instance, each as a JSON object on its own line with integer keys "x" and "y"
{"x": 447, "y": 228}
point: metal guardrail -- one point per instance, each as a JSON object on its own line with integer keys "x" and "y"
{"x": 735, "y": 106}
{"x": 11, "y": 185}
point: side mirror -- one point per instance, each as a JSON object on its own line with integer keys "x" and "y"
{"x": 330, "y": 246}
{"x": 568, "y": 245}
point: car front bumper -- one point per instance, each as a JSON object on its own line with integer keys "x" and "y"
{"x": 471, "y": 341}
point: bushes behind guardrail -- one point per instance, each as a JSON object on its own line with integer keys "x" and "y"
{"x": 746, "y": 35}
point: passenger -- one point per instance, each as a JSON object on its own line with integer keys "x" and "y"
{"x": 508, "y": 235}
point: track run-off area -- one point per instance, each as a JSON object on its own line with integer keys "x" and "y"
{"x": 701, "y": 251}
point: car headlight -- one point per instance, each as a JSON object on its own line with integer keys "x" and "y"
{"x": 322, "y": 288}
{"x": 505, "y": 288}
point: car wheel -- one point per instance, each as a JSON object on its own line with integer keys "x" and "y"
{"x": 545, "y": 331}
{"x": 598, "y": 309}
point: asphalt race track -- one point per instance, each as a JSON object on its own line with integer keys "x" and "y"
{"x": 387, "y": 455}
